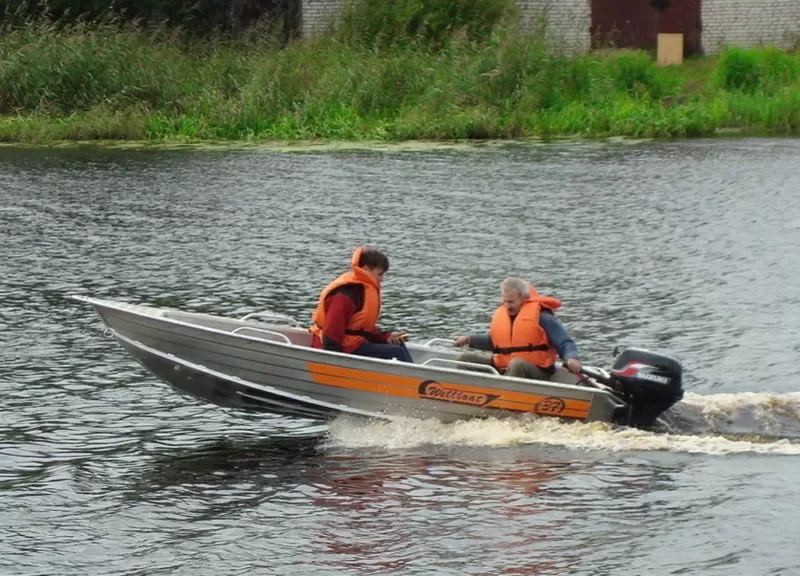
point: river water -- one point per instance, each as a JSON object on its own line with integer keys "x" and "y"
{"x": 687, "y": 248}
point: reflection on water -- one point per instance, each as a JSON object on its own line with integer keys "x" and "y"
{"x": 225, "y": 461}
{"x": 683, "y": 248}
{"x": 376, "y": 510}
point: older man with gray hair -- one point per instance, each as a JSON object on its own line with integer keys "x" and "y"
{"x": 525, "y": 336}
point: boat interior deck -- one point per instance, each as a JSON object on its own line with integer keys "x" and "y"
{"x": 284, "y": 329}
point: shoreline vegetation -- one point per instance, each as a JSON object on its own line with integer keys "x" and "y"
{"x": 386, "y": 74}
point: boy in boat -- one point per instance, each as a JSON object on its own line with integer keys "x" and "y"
{"x": 346, "y": 316}
{"x": 525, "y": 335}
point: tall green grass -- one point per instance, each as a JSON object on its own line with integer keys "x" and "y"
{"x": 432, "y": 24}
{"x": 399, "y": 77}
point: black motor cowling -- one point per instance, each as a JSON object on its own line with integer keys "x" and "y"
{"x": 650, "y": 383}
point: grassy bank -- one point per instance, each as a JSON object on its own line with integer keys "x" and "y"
{"x": 101, "y": 83}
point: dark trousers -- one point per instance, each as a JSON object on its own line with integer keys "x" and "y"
{"x": 518, "y": 368}
{"x": 384, "y": 351}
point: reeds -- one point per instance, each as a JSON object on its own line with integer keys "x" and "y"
{"x": 418, "y": 75}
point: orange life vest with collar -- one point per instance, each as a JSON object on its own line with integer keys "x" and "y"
{"x": 364, "y": 321}
{"x": 524, "y": 337}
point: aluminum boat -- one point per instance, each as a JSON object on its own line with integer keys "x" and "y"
{"x": 264, "y": 362}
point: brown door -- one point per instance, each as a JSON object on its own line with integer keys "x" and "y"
{"x": 636, "y": 23}
{"x": 682, "y": 16}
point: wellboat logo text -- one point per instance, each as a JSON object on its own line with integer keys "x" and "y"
{"x": 433, "y": 390}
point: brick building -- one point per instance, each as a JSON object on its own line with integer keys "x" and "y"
{"x": 579, "y": 25}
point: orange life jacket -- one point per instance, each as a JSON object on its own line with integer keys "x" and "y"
{"x": 524, "y": 338}
{"x": 363, "y": 322}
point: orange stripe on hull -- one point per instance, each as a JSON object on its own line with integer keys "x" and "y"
{"x": 392, "y": 385}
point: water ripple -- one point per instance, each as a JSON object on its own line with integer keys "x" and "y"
{"x": 686, "y": 248}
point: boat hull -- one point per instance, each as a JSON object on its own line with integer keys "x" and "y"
{"x": 229, "y": 391}
{"x": 278, "y": 358}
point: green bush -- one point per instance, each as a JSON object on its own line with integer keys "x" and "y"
{"x": 738, "y": 69}
{"x": 636, "y": 75}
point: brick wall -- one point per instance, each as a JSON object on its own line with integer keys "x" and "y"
{"x": 749, "y": 23}
{"x": 739, "y": 22}
{"x": 316, "y": 15}
{"x": 568, "y": 21}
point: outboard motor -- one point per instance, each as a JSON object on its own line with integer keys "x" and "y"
{"x": 650, "y": 383}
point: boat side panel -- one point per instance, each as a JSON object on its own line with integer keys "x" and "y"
{"x": 446, "y": 391}
{"x": 407, "y": 388}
